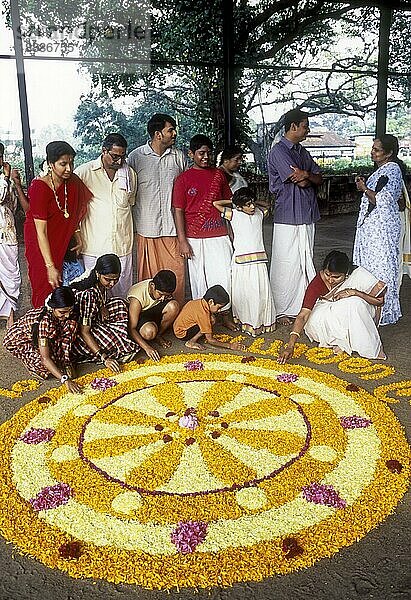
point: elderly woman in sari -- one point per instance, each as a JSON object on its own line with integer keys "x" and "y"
{"x": 58, "y": 202}
{"x": 377, "y": 238}
{"x": 341, "y": 310}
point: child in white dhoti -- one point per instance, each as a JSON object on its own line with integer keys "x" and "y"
{"x": 341, "y": 310}
{"x": 251, "y": 296}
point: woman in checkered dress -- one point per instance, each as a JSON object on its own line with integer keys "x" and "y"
{"x": 103, "y": 320}
{"x": 42, "y": 339}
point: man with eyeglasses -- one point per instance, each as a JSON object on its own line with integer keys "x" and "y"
{"x": 108, "y": 224}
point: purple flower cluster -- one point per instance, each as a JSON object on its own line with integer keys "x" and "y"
{"x": 287, "y": 377}
{"x": 354, "y": 422}
{"x": 102, "y": 383}
{"x": 36, "y": 436}
{"x": 194, "y": 365}
{"x": 52, "y": 496}
{"x": 187, "y": 535}
{"x": 319, "y": 493}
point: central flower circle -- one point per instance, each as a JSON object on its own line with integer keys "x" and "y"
{"x": 240, "y": 434}
{"x": 189, "y": 420}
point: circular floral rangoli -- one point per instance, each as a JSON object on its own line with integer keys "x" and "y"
{"x": 198, "y": 471}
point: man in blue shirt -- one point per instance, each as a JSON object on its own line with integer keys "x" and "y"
{"x": 293, "y": 178}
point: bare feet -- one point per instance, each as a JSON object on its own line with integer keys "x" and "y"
{"x": 195, "y": 345}
{"x": 163, "y": 342}
{"x": 381, "y": 355}
{"x": 284, "y": 321}
{"x": 337, "y": 350}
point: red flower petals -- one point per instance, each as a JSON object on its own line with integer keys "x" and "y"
{"x": 248, "y": 359}
{"x": 291, "y": 548}
{"x": 70, "y": 550}
{"x": 44, "y": 400}
{"x": 394, "y": 466}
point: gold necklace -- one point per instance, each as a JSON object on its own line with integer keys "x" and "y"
{"x": 63, "y": 210}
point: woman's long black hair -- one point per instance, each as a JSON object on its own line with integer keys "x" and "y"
{"x": 61, "y": 297}
{"x": 337, "y": 262}
{"x": 105, "y": 265}
{"x": 390, "y": 143}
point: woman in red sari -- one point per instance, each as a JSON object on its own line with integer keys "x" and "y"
{"x": 58, "y": 202}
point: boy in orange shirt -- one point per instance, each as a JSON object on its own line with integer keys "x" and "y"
{"x": 197, "y": 319}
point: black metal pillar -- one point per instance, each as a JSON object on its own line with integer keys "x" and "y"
{"x": 383, "y": 59}
{"x": 21, "y": 82}
{"x": 228, "y": 67}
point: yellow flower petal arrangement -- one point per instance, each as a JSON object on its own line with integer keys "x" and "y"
{"x": 19, "y": 388}
{"x": 198, "y": 471}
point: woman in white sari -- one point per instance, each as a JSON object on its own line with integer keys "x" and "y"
{"x": 377, "y": 239}
{"x": 341, "y": 310}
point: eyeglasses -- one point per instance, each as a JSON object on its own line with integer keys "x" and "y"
{"x": 117, "y": 157}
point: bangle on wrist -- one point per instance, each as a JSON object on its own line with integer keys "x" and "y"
{"x": 49, "y": 265}
{"x": 295, "y": 333}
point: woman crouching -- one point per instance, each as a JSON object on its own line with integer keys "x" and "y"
{"x": 43, "y": 338}
{"x": 103, "y": 320}
{"x": 341, "y": 310}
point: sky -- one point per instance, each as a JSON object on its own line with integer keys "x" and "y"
{"x": 53, "y": 88}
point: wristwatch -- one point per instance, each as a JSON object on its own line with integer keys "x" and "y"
{"x": 64, "y": 378}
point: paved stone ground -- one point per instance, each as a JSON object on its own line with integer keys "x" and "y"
{"x": 377, "y": 567}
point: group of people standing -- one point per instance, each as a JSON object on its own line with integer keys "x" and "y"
{"x": 381, "y": 244}
{"x": 150, "y": 201}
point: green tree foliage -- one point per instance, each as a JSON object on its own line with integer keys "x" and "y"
{"x": 96, "y": 117}
{"x": 272, "y": 38}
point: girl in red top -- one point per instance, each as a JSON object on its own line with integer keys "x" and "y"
{"x": 202, "y": 233}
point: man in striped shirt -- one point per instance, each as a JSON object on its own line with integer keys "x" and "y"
{"x": 157, "y": 164}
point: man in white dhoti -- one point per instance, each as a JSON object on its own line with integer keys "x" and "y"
{"x": 293, "y": 178}
{"x": 341, "y": 311}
